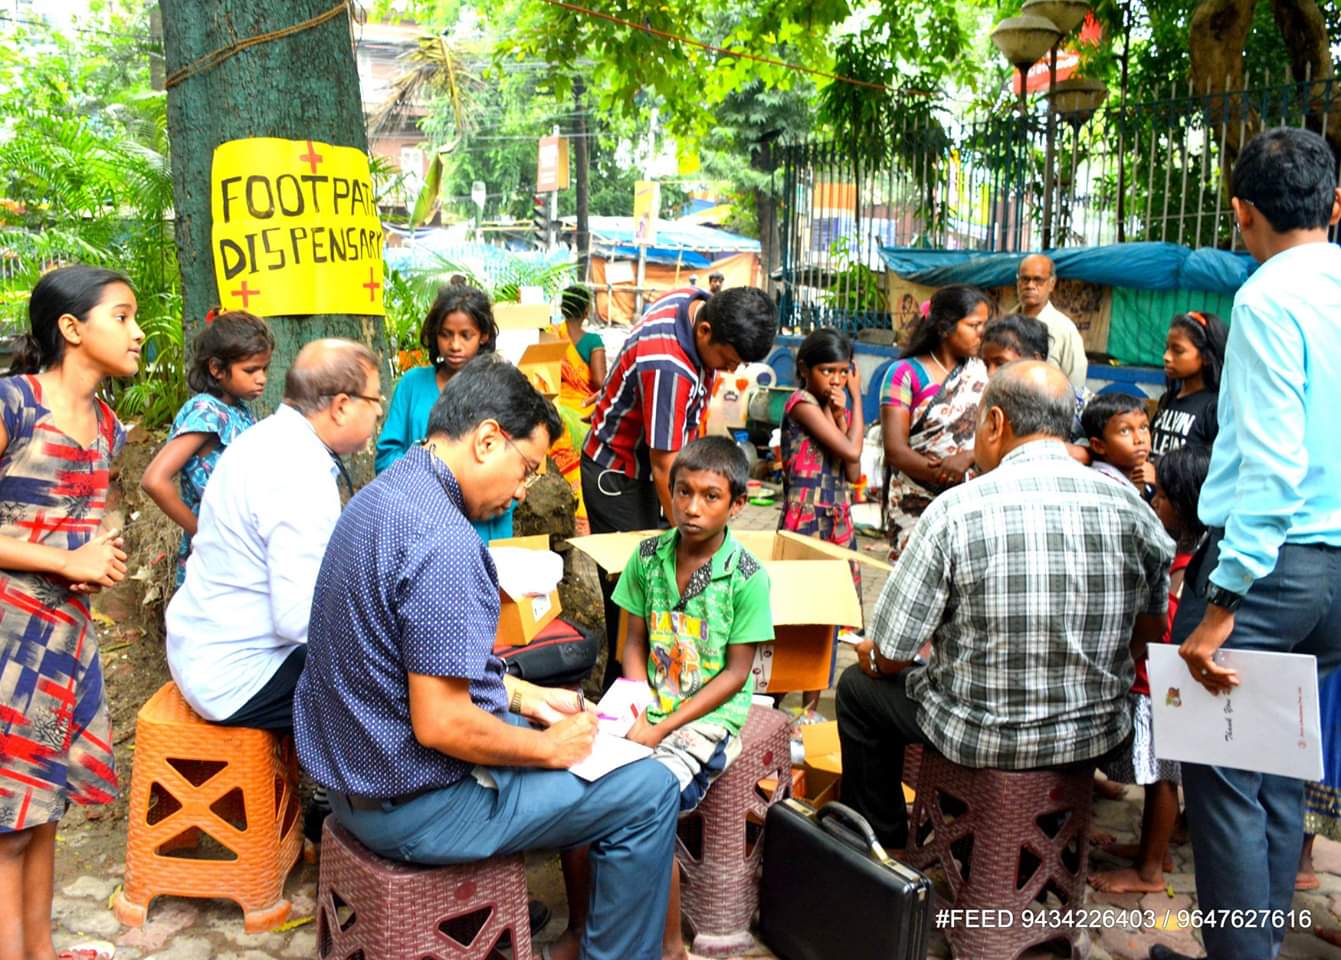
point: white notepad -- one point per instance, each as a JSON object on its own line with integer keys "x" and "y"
{"x": 609, "y": 753}
{"x": 1269, "y": 723}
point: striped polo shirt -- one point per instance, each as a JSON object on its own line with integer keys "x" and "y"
{"x": 656, "y": 393}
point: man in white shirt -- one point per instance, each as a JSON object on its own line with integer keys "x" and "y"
{"x": 237, "y": 627}
{"x": 1035, "y": 280}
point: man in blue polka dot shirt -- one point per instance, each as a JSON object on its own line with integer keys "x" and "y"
{"x": 431, "y": 753}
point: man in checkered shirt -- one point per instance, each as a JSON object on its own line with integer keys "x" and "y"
{"x": 1033, "y": 583}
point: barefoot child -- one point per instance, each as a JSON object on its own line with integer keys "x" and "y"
{"x": 1178, "y": 479}
{"x": 821, "y": 450}
{"x": 698, "y": 602}
{"x": 1194, "y": 357}
{"x": 228, "y": 369}
{"x": 57, "y": 443}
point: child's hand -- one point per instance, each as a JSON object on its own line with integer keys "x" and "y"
{"x": 570, "y": 740}
{"x": 837, "y": 399}
{"x": 649, "y": 735}
{"x": 1143, "y": 474}
{"x": 101, "y": 561}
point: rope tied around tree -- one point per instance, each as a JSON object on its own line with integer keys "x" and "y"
{"x": 215, "y": 57}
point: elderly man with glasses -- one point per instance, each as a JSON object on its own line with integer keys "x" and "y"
{"x": 1035, "y": 281}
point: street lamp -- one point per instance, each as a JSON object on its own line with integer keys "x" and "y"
{"x": 1075, "y": 101}
{"x": 1065, "y": 15}
{"x": 1022, "y": 40}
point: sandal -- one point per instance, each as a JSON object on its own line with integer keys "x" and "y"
{"x": 88, "y": 950}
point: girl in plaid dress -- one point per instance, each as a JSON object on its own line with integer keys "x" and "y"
{"x": 57, "y": 443}
{"x": 821, "y": 449}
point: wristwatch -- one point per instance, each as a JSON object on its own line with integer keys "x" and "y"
{"x": 1225, "y": 599}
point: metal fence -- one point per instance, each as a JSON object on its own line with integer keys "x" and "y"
{"x": 1140, "y": 170}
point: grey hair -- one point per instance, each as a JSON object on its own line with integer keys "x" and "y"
{"x": 1029, "y": 407}
{"x": 313, "y": 382}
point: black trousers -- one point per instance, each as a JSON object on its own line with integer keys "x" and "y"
{"x": 271, "y": 707}
{"x": 876, "y": 720}
{"x": 616, "y": 503}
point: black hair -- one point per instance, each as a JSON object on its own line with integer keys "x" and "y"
{"x": 75, "y": 290}
{"x": 744, "y": 318}
{"x": 490, "y": 388}
{"x": 1180, "y": 474}
{"x": 228, "y": 338}
{"x": 1289, "y": 175}
{"x": 1209, "y": 335}
{"x": 1104, "y": 407}
{"x": 1021, "y": 334}
{"x": 717, "y": 275}
{"x": 575, "y": 302}
{"x": 721, "y": 456}
{"x": 949, "y": 305}
{"x": 825, "y": 345}
{"x": 459, "y": 298}
{"x": 1029, "y": 407}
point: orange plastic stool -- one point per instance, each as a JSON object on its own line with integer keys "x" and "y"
{"x": 213, "y": 813}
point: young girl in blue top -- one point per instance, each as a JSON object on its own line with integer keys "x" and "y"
{"x": 459, "y": 326}
{"x": 231, "y": 357}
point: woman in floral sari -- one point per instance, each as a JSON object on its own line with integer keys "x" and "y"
{"x": 929, "y": 408}
{"x": 583, "y": 375}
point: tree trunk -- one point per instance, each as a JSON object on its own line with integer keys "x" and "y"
{"x": 1216, "y": 37}
{"x": 1305, "y": 33}
{"x": 583, "y": 157}
{"x": 766, "y": 212}
{"x": 301, "y": 86}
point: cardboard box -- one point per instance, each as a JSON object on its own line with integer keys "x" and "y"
{"x": 521, "y": 618}
{"x": 812, "y": 594}
{"x": 543, "y": 365}
{"x": 523, "y": 316}
{"x": 823, "y": 763}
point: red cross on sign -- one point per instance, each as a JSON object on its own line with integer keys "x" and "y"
{"x": 371, "y": 286}
{"x": 246, "y": 294}
{"x": 311, "y": 158}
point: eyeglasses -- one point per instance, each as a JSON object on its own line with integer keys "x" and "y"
{"x": 532, "y": 469}
{"x": 357, "y": 396}
{"x": 1025, "y": 281}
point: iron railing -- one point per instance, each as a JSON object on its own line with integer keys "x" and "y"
{"x": 1140, "y": 170}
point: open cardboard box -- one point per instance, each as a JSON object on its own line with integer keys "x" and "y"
{"x": 823, "y": 765}
{"x": 812, "y": 593}
{"x": 521, "y": 618}
{"x": 543, "y": 365}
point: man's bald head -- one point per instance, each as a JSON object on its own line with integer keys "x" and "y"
{"x": 324, "y": 369}
{"x": 1035, "y": 280}
{"x": 1026, "y": 400}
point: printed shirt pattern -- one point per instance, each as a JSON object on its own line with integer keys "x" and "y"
{"x": 726, "y": 601}
{"x": 1027, "y": 581}
{"x": 55, "y": 735}
{"x": 656, "y": 393}
{"x": 204, "y": 413}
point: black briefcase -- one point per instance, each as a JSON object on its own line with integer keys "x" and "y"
{"x": 829, "y": 892}
{"x": 561, "y": 653}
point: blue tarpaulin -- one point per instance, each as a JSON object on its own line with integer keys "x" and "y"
{"x": 1138, "y": 266}
{"x": 688, "y": 244}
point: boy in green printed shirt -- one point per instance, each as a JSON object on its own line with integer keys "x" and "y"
{"x": 698, "y": 602}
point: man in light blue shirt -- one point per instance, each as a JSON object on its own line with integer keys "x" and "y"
{"x": 1269, "y": 575}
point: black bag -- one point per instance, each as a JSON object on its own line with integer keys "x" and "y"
{"x": 561, "y": 653}
{"x": 829, "y": 891}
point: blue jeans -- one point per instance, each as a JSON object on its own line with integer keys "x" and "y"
{"x": 628, "y": 817}
{"x": 1247, "y": 828}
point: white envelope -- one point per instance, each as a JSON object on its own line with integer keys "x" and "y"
{"x": 1269, "y": 723}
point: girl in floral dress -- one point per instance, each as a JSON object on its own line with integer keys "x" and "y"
{"x": 821, "y": 450}
{"x": 57, "y": 443}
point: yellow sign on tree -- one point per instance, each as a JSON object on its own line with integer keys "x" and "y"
{"x": 296, "y": 229}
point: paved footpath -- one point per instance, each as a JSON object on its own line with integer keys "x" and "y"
{"x": 181, "y": 929}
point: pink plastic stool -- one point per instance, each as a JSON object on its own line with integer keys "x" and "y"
{"x": 369, "y": 907}
{"x": 1005, "y": 839}
{"x": 718, "y": 848}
